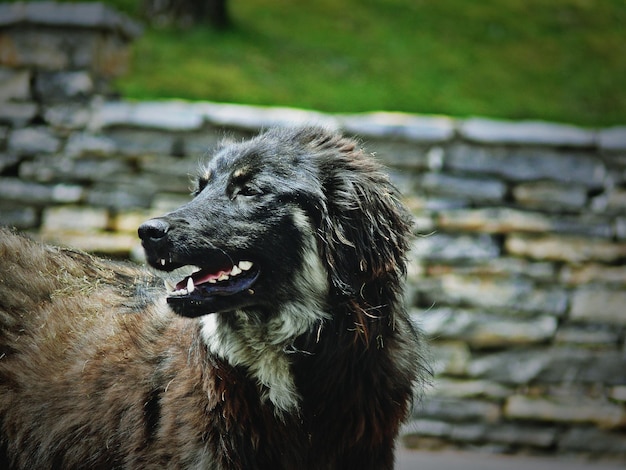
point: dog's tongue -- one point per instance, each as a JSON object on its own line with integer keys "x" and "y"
{"x": 202, "y": 277}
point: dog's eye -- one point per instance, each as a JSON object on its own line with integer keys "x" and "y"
{"x": 249, "y": 190}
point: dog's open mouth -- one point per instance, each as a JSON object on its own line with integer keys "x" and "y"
{"x": 210, "y": 290}
{"x": 203, "y": 282}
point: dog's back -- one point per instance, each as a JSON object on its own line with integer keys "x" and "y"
{"x": 81, "y": 372}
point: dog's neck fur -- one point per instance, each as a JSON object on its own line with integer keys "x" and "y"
{"x": 264, "y": 346}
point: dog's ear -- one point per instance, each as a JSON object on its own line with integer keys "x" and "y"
{"x": 365, "y": 229}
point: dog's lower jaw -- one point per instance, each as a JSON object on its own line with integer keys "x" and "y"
{"x": 263, "y": 349}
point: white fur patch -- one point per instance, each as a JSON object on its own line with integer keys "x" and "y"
{"x": 264, "y": 348}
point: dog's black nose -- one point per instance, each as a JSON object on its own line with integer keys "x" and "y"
{"x": 153, "y": 230}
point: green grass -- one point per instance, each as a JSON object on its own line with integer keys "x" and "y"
{"x": 558, "y": 60}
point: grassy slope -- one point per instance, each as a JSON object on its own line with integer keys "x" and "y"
{"x": 561, "y": 60}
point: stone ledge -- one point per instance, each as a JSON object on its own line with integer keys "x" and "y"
{"x": 489, "y": 131}
{"x": 400, "y": 125}
{"x": 83, "y": 15}
{"x": 178, "y": 115}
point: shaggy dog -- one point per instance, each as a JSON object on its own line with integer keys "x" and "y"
{"x": 286, "y": 346}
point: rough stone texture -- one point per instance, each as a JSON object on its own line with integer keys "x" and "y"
{"x": 394, "y": 125}
{"x": 33, "y": 141}
{"x": 527, "y": 133}
{"x": 570, "y": 410}
{"x": 510, "y": 295}
{"x": 565, "y": 248}
{"x": 598, "y": 305}
{"x": 14, "y": 85}
{"x": 74, "y": 218}
{"x": 528, "y": 164}
{"x": 516, "y": 274}
{"x": 550, "y": 196}
{"x": 487, "y": 331}
{"x": 472, "y": 189}
{"x": 592, "y": 440}
{"x": 18, "y": 114}
{"x": 441, "y": 246}
{"x": 63, "y": 86}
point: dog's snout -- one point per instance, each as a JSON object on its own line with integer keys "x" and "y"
{"x": 153, "y": 230}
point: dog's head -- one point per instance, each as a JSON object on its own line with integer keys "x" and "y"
{"x": 292, "y": 213}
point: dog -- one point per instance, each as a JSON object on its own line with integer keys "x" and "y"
{"x": 282, "y": 342}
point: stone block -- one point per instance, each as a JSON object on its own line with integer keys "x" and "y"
{"x": 33, "y": 141}
{"x": 550, "y": 366}
{"x": 577, "y": 275}
{"x": 14, "y": 85}
{"x": 502, "y": 220}
{"x": 473, "y": 189}
{"x": 446, "y": 247}
{"x": 43, "y": 48}
{"x": 457, "y": 410}
{"x": 8, "y": 160}
{"x": 568, "y": 410}
{"x": 399, "y": 154}
{"x": 550, "y": 196}
{"x": 74, "y": 218}
{"x": 505, "y": 267}
{"x": 449, "y": 357}
{"x": 510, "y": 295}
{"x": 55, "y": 87}
{"x": 64, "y": 169}
{"x": 97, "y": 16}
{"x": 429, "y": 427}
{"x": 464, "y": 388}
{"x": 491, "y": 131}
{"x": 528, "y": 164}
{"x": 570, "y": 249}
{"x": 613, "y": 138}
{"x": 494, "y": 220}
{"x": 25, "y": 192}
{"x": 468, "y": 432}
{"x": 590, "y": 336}
{"x": 129, "y": 221}
{"x": 487, "y": 331}
{"x": 121, "y": 196}
{"x": 399, "y": 125}
{"x": 522, "y": 435}
{"x": 86, "y": 143}
{"x": 599, "y": 305}
{"x": 253, "y": 118}
{"x": 21, "y": 218}
{"x": 620, "y": 228}
{"x": 141, "y": 142}
{"x": 18, "y": 114}
{"x": 592, "y": 440}
{"x": 67, "y": 116}
{"x": 618, "y": 393}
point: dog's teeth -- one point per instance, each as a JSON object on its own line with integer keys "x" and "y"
{"x": 212, "y": 281}
{"x": 235, "y": 271}
{"x": 222, "y": 277}
{"x": 245, "y": 265}
{"x": 196, "y": 269}
{"x": 179, "y": 292}
{"x": 162, "y": 261}
{"x": 190, "y": 286}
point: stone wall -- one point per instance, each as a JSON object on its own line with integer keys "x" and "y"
{"x": 517, "y": 271}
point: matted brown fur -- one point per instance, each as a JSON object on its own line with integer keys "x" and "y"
{"x": 97, "y": 372}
